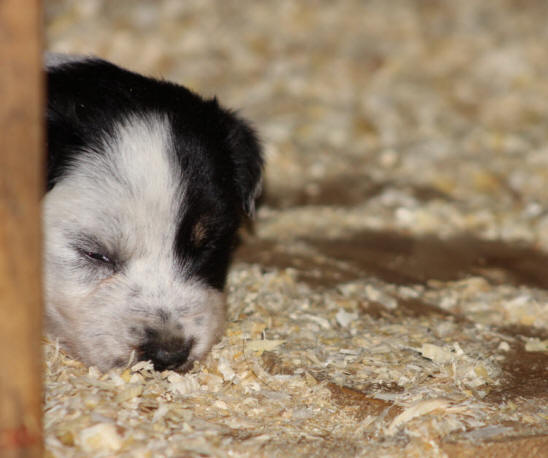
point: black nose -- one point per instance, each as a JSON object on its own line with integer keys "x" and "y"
{"x": 164, "y": 352}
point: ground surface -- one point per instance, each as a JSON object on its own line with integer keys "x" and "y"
{"x": 393, "y": 296}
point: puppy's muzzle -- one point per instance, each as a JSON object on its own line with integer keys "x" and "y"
{"x": 164, "y": 352}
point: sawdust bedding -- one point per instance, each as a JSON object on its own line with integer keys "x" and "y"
{"x": 393, "y": 296}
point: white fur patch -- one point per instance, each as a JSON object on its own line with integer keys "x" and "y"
{"x": 126, "y": 200}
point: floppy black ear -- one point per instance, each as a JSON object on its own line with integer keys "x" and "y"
{"x": 247, "y": 158}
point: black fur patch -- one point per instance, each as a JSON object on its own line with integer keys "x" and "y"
{"x": 219, "y": 153}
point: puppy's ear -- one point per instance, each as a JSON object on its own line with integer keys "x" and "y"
{"x": 247, "y": 158}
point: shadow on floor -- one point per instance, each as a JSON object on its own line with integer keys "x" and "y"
{"x": 402, "y": 259}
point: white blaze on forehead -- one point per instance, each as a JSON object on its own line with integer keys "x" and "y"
{"x": 139, "y": 164}
{"x": 132, "y": 188}
{"x": 141, "y": 151}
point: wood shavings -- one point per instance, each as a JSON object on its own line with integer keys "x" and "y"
{"x": 488, "y": 432}
{"x": 260, "y": 346}
{"x": 435, "y": 353}
{"x": 142, "y": 366}
{"x": 417, "y": 410}
{"x": 504, "y": 346}
{"x": 397, "y": 264}
{"x": 375, "y": 295}
{"x": 345, "y": 318}
{"x": 536, "y": 345}
{"x": 226, "y": 370}
{"x": 182, "y": 385}
{"x": 101, "y": 437}
{"x": 132, "y": 391}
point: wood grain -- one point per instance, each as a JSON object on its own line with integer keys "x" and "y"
{"x": 21, "y": 185}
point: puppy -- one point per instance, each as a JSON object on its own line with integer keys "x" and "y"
{"x": 147, "y": 184}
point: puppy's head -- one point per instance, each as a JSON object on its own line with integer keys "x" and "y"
{"x": 147, "y": 185}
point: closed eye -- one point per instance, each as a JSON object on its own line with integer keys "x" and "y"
{"x": 97, "y": 257}
{"x": 94, "y": 254}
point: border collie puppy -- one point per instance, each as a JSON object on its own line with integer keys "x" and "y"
{"x": 147, "y": 184}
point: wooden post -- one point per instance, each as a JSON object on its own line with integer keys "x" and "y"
{"x": 21, "y": 188}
